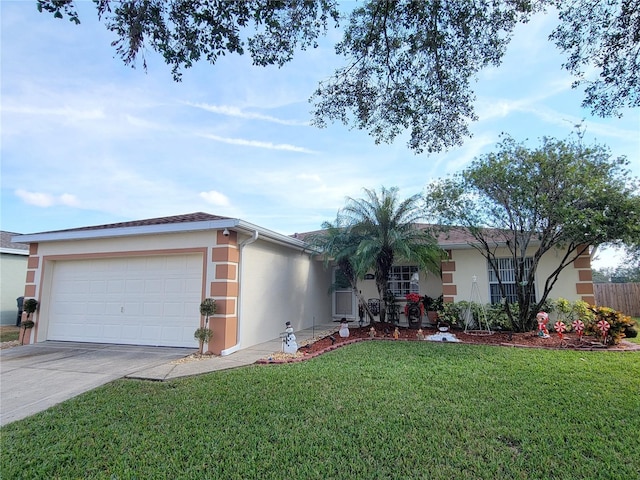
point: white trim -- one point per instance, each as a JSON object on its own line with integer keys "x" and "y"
{"x": 14, "y": 251}
{"x": 231, "y": 224}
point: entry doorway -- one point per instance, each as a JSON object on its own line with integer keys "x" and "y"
{"x": 343, "y": 298}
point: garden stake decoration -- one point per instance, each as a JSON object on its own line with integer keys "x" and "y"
{"x": 604, "y": 327}
{"x": 372, "y": 332}
{"x": 396, "y": 333}
{"x": 578, "y": 326}
{"x": 560, "y": 329}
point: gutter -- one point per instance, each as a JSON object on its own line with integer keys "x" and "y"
{"x": 236, "y": 347}
{"x": 94, "y": 233}
{"x": 14, "y": 251}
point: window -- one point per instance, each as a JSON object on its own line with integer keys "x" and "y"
{"x": 508, "y": 276}
{"x": 402, "y": 280}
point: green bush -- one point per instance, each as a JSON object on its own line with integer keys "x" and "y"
{"x": 618, "y": 323}
{"x": 203, "y": 334}
{"x": 569, "y": 311}
{"x": 631, "y": 331}
{"x": 449, "y": 312}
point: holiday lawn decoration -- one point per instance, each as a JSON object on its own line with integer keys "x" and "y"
{"x": 578, "y": 326}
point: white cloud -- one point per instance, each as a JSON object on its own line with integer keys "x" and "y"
{"x": 215, "y": 198}
{"x": 239, "y": 113}
{"x": 45, "y": 200}
{"x": 68, "y": 200}
{"x": 257, "y": 144}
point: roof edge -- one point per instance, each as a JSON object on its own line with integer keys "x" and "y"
{"x": 118, "y": 232}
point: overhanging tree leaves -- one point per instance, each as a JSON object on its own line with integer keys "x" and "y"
{"x": 186, "y": 31}
{"x": 560, "y": 195}
{"x": 604, "y": 35}
{"x": 409, "y": 64}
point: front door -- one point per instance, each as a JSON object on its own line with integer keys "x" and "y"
{"x": 344, "y": 299}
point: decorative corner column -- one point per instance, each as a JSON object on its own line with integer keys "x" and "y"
{"x": 27, "y": 335}
{"x": 449, "y": 288}
{"x": 584, "y": 285}
{"x": 224, "y": 288}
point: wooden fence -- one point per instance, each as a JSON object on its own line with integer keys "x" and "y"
{"x": 624, "y": 297}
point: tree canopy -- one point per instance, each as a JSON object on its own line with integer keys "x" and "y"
{"x": 409, "y": 65}
{"x": 562, "y": 195}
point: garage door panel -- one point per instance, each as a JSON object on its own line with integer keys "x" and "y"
{"x": 116, "y": 286}
{"x": 135, "y": 286}
{"x": 95, "y": 308}
{"x": 113, "y": 308}
{"x": 131, "y": 332}
{"x": 112, "y": 332}
{"x": 97, "y": 286}
{"x": 136, "y": 300}
{"x": 173, "y": 309}
{"x": 132, "y": 309}
{"x": 152, "y": 309}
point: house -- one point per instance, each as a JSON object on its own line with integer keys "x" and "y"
{"x": 13, "y": 268}
{"x": 141, "y": 282}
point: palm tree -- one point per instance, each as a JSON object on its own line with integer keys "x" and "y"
{"x": 387, "y": 230}
{"x": 338, "y": 245}
{"x": 371, "y": 233}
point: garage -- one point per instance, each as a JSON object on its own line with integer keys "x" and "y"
{"x": 137, "y": 300}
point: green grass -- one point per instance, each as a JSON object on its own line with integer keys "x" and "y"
{"x": 9, "y": 333}
{"x": 372, "y": 410}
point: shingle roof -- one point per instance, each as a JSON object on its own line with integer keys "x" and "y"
{"x": 184, "y": 218}
{"x": 5, "y": 241}
{"x": 453, "y": 236}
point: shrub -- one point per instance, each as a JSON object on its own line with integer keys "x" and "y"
{"x": 618, "y": 324}
{"x": 30, "y": 306}
{"x": 203, "y": 334}
{"x": 449, "y": 313}
{"x": 631, "y": 331}
{"x": 497, "y": 317}
{"x": 433, "y": 304}
{"x": 569, "y": 311}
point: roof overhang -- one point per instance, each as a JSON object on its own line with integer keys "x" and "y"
{"x": 167, "y": 228}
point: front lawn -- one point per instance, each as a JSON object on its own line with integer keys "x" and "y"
{"x": 369, "y": 410}
{"x": 9, "y": 333}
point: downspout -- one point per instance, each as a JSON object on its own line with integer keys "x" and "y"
{"x": 236, "y": 347}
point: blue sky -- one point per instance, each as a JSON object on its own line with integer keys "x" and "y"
{"x": 87, "y": 140}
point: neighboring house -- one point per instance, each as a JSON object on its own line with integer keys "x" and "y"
{"x": 13, "y": 268}
{"x": 142, "y": 282}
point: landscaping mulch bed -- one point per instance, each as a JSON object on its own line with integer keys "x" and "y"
{"x": 386, "y": 332}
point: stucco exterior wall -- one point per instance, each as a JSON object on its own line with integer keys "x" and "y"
{"x": 430, "y": 285}
{"x": 280, "y": 285}
{"x": 13, "y": 268}
{"x": 465, "y": 264}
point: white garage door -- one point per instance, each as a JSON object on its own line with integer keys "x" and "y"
{"x": 136, "y": 300}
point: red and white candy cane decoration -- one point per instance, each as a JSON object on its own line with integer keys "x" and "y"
{"x": 560, "y": 328}
{"x": 578, "y": 326}
{"x": 604, "y": 327}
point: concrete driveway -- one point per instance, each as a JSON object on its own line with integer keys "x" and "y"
{"x": 36, "y": 377}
